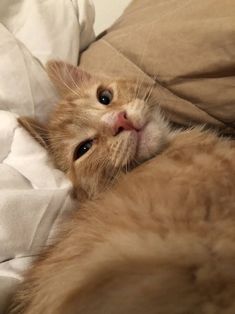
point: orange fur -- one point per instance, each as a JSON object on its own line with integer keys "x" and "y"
{"x": 161, "y": 240}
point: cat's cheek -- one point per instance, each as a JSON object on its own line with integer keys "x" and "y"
{"x": 132, "y": 149}
{"x": 128, "y": 142}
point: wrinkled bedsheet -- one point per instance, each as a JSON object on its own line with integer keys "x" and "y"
{"x": 33, "y": 194}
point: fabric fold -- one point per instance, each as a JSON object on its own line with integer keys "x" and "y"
{"x": 33, "y": 194}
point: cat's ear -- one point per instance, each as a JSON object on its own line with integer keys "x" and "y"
{"x": 66, "y": 77}
{"x": 37, "y": 130}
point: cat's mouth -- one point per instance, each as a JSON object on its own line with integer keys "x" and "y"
{"x": 137, "y": 142}
{"x": 136, "y": 139}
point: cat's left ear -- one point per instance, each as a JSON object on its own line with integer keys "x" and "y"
{"x": 37, "y": 130}
{"x": 66, "y": 77}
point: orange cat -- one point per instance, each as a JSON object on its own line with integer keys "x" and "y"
{"x": 161, "y": 241}
{"x": 100, "y": 128}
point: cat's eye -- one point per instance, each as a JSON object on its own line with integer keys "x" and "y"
{"x": 82, "y": 149}
{"x": 105, "y": 96}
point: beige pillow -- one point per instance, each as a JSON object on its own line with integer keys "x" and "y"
{"x": 185, "y": 48}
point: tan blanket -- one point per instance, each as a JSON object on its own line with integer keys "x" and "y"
{"x": 186, "y": 47}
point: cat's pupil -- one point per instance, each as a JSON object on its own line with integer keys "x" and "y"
{"x": 82, "y": 148}
{"x": 105, "y": 97}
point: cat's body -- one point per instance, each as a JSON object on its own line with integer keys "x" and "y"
{"x": 161, "y": 241}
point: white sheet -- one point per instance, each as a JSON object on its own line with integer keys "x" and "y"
{"x": 33, "y": 194}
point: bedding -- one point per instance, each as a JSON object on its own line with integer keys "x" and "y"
{"x": 33, "y": 195}
{"x": 184, "y": 49}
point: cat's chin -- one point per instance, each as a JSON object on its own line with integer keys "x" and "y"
{"x": 143, "y": 145}
{"x": 151, "y": 141}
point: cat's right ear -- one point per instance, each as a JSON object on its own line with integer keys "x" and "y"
{"x": 66, "y": 77}
{"x": 37, "y": 130}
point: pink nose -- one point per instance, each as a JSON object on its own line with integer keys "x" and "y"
{"x": 122, "y": 123}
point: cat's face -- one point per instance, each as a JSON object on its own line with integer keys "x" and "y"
{"x": 101, "y": 128}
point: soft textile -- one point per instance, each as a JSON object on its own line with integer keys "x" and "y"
{"x": 33, "y": 194}
{"x": 186, "y": 48}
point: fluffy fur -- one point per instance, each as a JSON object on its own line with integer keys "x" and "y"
{"x": 161, "y": 241}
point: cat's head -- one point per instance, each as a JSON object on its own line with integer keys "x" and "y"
{"x": 100, "y": 128}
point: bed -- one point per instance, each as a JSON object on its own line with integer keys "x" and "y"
{"x": 184, "y": 50}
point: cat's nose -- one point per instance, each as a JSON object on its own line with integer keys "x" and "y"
{"x": 122, "y": 123}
